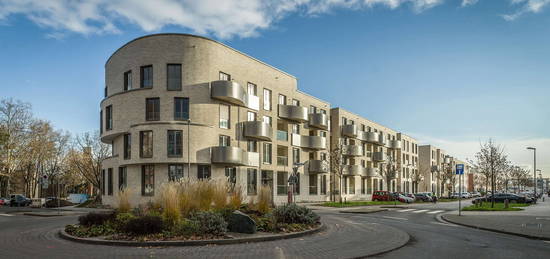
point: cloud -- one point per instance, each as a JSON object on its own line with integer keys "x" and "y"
{"x": 223, "y": 19}
{"x": 468, "y": 2}
{"x": 525, "y": 6}
{"x": 514, "y": 148}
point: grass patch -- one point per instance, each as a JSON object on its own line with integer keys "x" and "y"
{"x": 447, "y": 199}
{"x": 359, "y": 203}
{"x": 498, "y": 207}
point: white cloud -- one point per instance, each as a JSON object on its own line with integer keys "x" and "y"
{"x": 223, "y": 19}
{"x": 469, "y": 2}
{"x": 525, "y": 6}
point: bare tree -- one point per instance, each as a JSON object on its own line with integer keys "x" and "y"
{"x": 336, "y": 157}
{"x": 416, "y": 178}
{"x": 492, "y": 161}
{"x": 446, "y": 177}
{"x": 389, "y": 171}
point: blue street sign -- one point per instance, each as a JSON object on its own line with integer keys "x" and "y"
{"x": 460, "y": 169}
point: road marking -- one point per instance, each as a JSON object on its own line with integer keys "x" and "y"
{"x": 419, "y": 211}
{"x": 439, "y": 223}
{"x": 7, "y": 215}
{"x": 388, "y": 217}
{"x": 405, "y": 210}
{"x": 436, "y": 211}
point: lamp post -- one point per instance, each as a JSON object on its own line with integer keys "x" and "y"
{"x": 188, "y": 148}
{"x": 534, "y": 169}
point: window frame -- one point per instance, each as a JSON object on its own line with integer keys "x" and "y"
{"x": 180, "y": 85}
{"x": 142, "y": 76}
{"x": 153, "y": 115}
{"x": 142, "y": 135}
{"x": 122, "y": 177}
{"x": 128, "y": 80}
{"x": 127, "y": 146}
{"x": 147, "y": 177}
{"x": 174, "y": 143}
{"x": 222, "y": 105}
{"x": 184, "y": 103}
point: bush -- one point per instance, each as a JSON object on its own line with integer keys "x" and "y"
{"x": 263, "y": 203}
{"x": 235, "y": 197}
{"x": 144, "y": 225}
{"x": 122, "y": 219}
{"x": 294, "y": 214}
{"x": 94, "y": 219}
{"x": 210, "y": 222}
{"x": 54, "y": 202}
{"x": 123, "y": 200}
{"x": 186, "y": 228}
{"x": 169, "y": 202}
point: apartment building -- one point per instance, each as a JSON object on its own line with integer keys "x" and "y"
{"x": 179, "y": 105}
{"x": 431, "y": 164}
{"x": 368, "y": 148}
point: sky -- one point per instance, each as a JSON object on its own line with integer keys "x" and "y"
{"x": 452, "y": 73}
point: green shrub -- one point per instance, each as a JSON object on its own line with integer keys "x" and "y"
{"x": 92, "y": 231}
{"x": 144, "y": 225}
{"x": 186, "y": 227}
{"x": 93, "y": 218}
{"x": 294, "y": 214}
{"x": 210, "y": 222}
{"x": 121, "y": 221}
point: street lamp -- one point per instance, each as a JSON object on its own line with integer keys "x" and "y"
{"x": 534, "y": 169}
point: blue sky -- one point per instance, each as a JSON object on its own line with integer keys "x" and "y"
{"x": 448, "y": 72}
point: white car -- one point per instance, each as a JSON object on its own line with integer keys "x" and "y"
{"x": 403, "y": 198}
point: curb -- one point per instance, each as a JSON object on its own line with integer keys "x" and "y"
{"x": 95, "y": 241}
{"x": 495, "y": 230}
{"x": 390, "y": 249}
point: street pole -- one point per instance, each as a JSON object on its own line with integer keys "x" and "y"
{"x": 459, "y": 194}
{"x": 188, "y": 148}
{"x": 534, "y": 170}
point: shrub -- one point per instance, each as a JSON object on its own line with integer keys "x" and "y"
{"x": 219, "y": 197}
{"x": 210, "y": 222}
{"x": 170, "y": 205}
{"x": 263, "y": 203}
{"x": 122, "y": 219}
{"x": 93, "y": 218}
{"x": 123, "y": 200}
{"x": 54, "y": 202}
{"x": 204, "y": 194}
{"x": 294, "y": 214}
{"x": 144, "y": 225}
{"x": 235, "y": 198}
{"x": 186, "y": 228}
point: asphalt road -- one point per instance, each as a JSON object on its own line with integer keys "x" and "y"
{"x": 349, "y": 235}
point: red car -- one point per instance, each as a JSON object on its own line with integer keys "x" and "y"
{"x": 382, "y": 196}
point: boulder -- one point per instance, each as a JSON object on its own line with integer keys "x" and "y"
{"x": 241, "y": 223}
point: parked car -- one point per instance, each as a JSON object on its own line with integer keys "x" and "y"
{"x": 500, "y": 197}
{"x": 425, "y": 197}
{"x": 405, "y": 199}
{"x": 4, "y": 201}
{"x": 410, "y": 195}
{"x": 382, "y": 196}
{"x": 476, "y": 194}
{"x": 19, "y": 200}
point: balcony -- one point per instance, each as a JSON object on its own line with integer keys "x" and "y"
{"x": 318, "y": 120}
{"x": 293, "y": 113}
{"x": 282, "y": 135}
{"x": 258, "y": 130}
{"x": 233, "y": 92}
{"x": 311, "y": 142}
{"x": 379, "y": 157}
{"x": 349, "y": 131}
{"x": 354, "y": 170}
{"x": 282, "y": 160}
{"x": 318, "y": 166}
{"x": 394, "y": 144}
{"x": 352, "y": 150}
{"x": 371, "y": 137}
{"x": 234, "y": 156}
{"x": 373, "y": 172}
{"x": 382, "y": 141}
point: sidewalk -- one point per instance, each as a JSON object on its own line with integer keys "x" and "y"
{"x": 533, "y": 222}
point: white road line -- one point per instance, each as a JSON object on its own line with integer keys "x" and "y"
{"x": 405, "y": 210}
{"x": 419, "y": 211}
{"x": 443, "y": 224}
{"x": 388, "y": 217}
{"x": 7, "y": 215}
{"x": 435, "y": 211}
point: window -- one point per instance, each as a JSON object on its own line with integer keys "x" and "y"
{"x": 100, "y": 122}
{"x": 175, "y": 172}
{"x": 109, "y": 117}
{"x": 312, "y": 184}
{"x": 251, "y": 116}
{"x": 251, "y": 181}
{"x": 252, "y": 89}
{"x": 282, "y": 187}
{"x": 344, "y": 121}
{"x": 224, "y": 141}
{"x": 267, "y": 99}
{"x": 282, "y": 99}
{"x": 296, "y": 155}
{"x": 267, "y": 178}
{"x": 152, "y": 109}
{"x": 128, "y": 80}
{"x": 267, "y": 159}
{"x": 323, "y": 184}
{"x": 296, "y": 128}
{"x": 175, "y": 143}
{"x": 295, "y": 102}
{"x": 122, "y": 178}
{"x": 231, "y": 174}
{"x": 252, "y": 146}
{"x": 105, "y": 92}
{"x": 102, "y": 182}
{"x": 146, "y": 77}
{"x": 297, "y": 184}
{"x": 224, "y": 116}
{"x": 203, "y": 172}
{"x": 363, "y": 185}
{"x": 127, "y": 146}
{"x": 312, "y": 109}
{"x": 148, "y": 180}
{"x": 146, "y": 144}
{"x": 181, "y": 108}
{"x": 173, "y": 76}
{"x": 224, "y": 76}
{"x": 345, "y": 185}
{"x": 352, "y": 185}
{"x": 267, "y": 120}
{"x": 369, "y": 186}
{"x": 323, "y": 111}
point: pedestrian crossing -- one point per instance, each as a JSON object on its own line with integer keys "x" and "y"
{"x": 6, "y": 215}
{"x": 421, "y": 211}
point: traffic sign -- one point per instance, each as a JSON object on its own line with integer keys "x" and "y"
{"x": 460, "y": 169}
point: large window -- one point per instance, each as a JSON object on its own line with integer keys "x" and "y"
{"x": 296, "y": 155}
{"x": 267, "y": 178}
{"x": 224, "y": 116}
{"x": 231, "y": 174}
{"x": 152, "y": 109}
{"x": 282, "y": 99}
{"x": 323, "y": 184}
{"x": 282, "y": 179}
{"x": 122, "y": 178}
{"x": 297, "y": 186}
{"x": 252, "y": 146}
{"x": 128, "y": 80}
{"x": 173, "y": 76}
{"x": 148, "y": 180}
{"x": 102, "y": 182}
{"x": 175, "y": 143}
{"x": 252, "y": 89}
{"x": 267, "y": 99}
{"x": 251, "y": 181}
{"x": 127, "y": 146}
{"x": 224, "y": 141}
{"x": 175, "y": 172}
{"x": 146, "y": 144}
{"x": 109, "y": 117}
{"x": 203, "y": 172}
{"x": 312, "y": 184}
{"x": 181, "y": 108}
{"x": 146, "y": 77}
{"x": 363, "y": 185}
{"x": 267, "y": 119}
{"x": 267, "y": 156}
{"x": 251, "y": 116}
{"x": 225, "y": 76}
{"x": 100, "y": 122}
